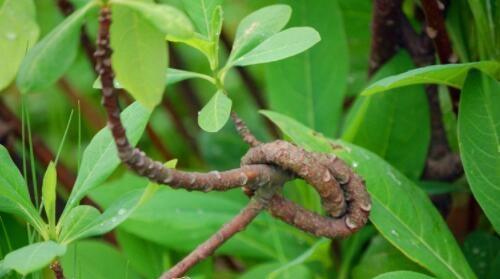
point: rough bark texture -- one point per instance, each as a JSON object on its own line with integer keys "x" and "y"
{"x": 56, "y": 267}
{"x": 264, "y": 169}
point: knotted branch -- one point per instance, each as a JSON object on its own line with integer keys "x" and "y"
{"x": 264, "y": 170}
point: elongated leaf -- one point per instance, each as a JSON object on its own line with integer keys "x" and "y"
{"x": 100, "y": 158}
{"x": 381, "y": 257}
{"x": 482, "y": 250}
{"x": 96, "y": 260}
{"x": 14, "y": 196}
{"x": 19, "y": 32}
{"x": 403, "y": 275}
{"x": 176, "y": 75}
{"x": 165, "y": 18}
{"x": 257, "y": 27}
{"x": 139, "y": 56}
{"x": 266, "y": 271}
{"x": 311, "y": 86}
{"x": 450, "y": 74}
{"x": 394, "y": 126}
{"x": 282, "y": 45}
{"x": 201, "y": 12}
{"x": 215, "y": 113}
{"x": 49, "y": 193}
{"x": 48, "y": 60}
{"x": 479, "y": 140}
{"x": 401, "y": 211}
{"x": 33, "y": 257}
{"x": 77, "y": 220}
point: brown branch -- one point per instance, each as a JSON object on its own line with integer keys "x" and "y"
{"x": 93, "y": 116}
{"x": 56, "y": 267}
{"x": 342, "y": 192}
{"x": 243, "y": 131}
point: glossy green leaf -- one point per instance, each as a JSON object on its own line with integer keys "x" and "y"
{"x": 92, "y": 259}
{"x": 201, "y": 12}
{"x": 148, "y": 258}
{"x": 100, "y": 158}
{"x": 282, "y": 45}
{"x": 139, "y": 56}
{"x": 403, "y": 275}
{"x": 482, "y": 250}
{"x": 479, "y": 140}
{"x": 165, "y": 18}
{"x": 77, "y": 220}
{"x": 381, "y": 257}
{"x": 14, "y": 196}
{"x": 266, "y": 271}
{"x": 394, "y": 126}
{"x": 19, "y": 32}
{"x": 214, "y": 34}
{"x": 450, "y": 74}
{"x": 401, "y": 211}
{"x": 49, "y": 193}
{"x": 33, "y": 257}
{"x": 215, "y": 113}
{"x": 311, "y": 86}
{"x": 257, "y": 27}
{"x": 50, "y": 58}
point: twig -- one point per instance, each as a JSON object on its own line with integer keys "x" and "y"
{"x": 56, "y": 267}
{"x": 258, "y": 202}
{"x": 243, "y": 130}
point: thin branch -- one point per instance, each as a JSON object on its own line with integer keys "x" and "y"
{"x": 243, "y": 131}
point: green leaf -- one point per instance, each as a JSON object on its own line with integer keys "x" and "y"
{"x": 19, "y": 32}
{"x": 215, "y": 113}
{"x": 401, "y": 211}
{"x": 311, "y": 86}
{"x": 77, "y": 220}
{"x": 176, "y": 75}
{"x": 482, "y": 250}
{"x": 479, "y": 140}
{"x": 450, "y": 74}
{"x": 381, "y": 257}
{"x": 33, "y": 257}
{"x": 257, "y": 27}
{"x": 282, "y": 45}
{"x": 266, "y": 271}
{"x": 148, "y": 258}
{"x": 92, "y": 259}
{"x": 165, "y": 18}
{"x": 49, "y": 194}
{"x": 403, "y": 275}
{"x": 100, "y": 158}
{"x": 214, "y": 34}
{"x": 49, "y": 59}
{"x": 139, "y": 56}
{"x": 201, "y": 12}
{"x": 394, "y": 126}
{"x": 14, "y": 196}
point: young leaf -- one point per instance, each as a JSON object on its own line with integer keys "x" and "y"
{"x": 165, "y": 18}
{"x": 215, "y": 113}
{"x": 257, "y": 27}
{"x": 19, "y": 32}
{"x": 310, "y": 87}
{"x": 282, "y": 45}
{"x": 201, "y": 12}
{"x": 450, "y": 74}
{"x": 48, "y": 60}
{"x": 479, "y": 140}
{"x": 78, "y": 219}
{"x": 394, "y": 126}
{"x": 14, "y": 196}
{"x": 401, "y": 211}
{"x": 49, "y": 194}
{"x": 139, "y": 56}
{"x": 100, "y": 158}
{"x": 403, "y": 275}
{"x": 214, "y": 34}
{"x": 176, "y": 75}
{"x": 33, "y": 257}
